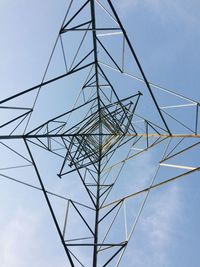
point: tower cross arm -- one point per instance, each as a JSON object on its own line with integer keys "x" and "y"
{"x": 165, "y": 135}
{"x": 32, "y": 136}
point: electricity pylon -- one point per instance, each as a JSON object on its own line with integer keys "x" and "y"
{"x": 118, "y": 115}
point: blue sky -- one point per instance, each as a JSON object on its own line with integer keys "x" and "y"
{"x": 166, "y": 37}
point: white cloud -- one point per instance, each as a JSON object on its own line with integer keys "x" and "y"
{"x": 29, "y": 239}
{"x": 156, "y": 229}
{"x": 161, "y": 220}
{"x": 15, "y": 245}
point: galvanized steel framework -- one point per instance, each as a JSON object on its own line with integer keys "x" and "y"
{"x": 107, "y": 123}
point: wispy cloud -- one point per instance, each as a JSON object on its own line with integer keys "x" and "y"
{"x": 159, "y": 223}
{"x": 16, "y": 233}
{"x": 157, "y": 226}
{"x": 26, "y": 241}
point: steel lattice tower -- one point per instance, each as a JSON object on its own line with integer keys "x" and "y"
{"x": 111, "y": 122}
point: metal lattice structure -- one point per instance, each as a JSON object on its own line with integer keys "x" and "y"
{"x": 118, "y": 116}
